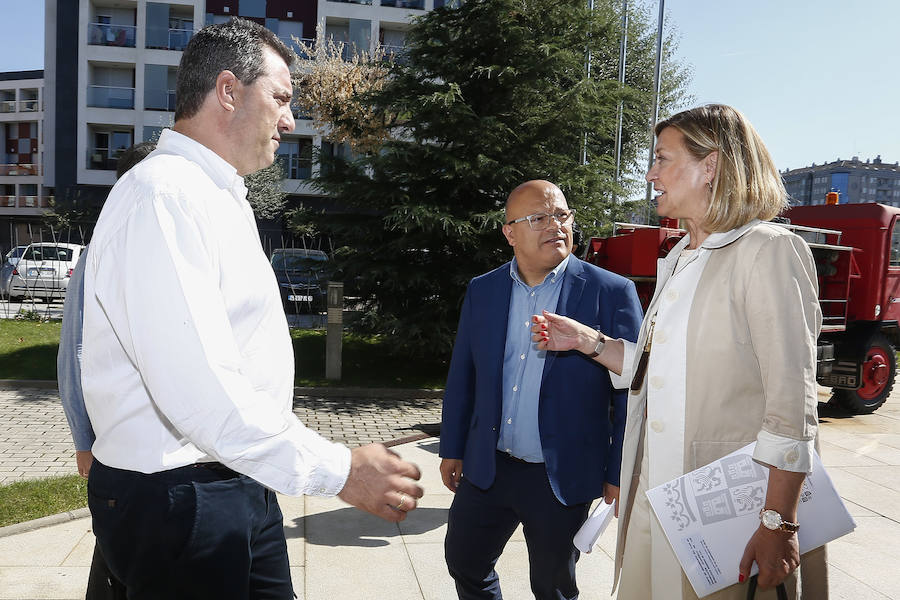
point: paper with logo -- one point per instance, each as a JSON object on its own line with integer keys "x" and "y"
{"x": 709, "y": 514}
{"x": 594, "y": 526}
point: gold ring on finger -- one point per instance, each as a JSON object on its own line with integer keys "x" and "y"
{"x": 402, "y": 501}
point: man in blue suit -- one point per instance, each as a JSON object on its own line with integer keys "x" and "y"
{"x": 529, "y": 436}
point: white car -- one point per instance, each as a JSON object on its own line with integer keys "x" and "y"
{"x": 44, "y": 271}
{"x": 6, "y": 269}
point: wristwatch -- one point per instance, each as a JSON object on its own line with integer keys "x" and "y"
{"x": 598, "y": 348}
{"x": 771, "y": 519}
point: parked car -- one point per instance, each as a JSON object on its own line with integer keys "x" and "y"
{"x": 6, "y": 269}
{"x": 44, "y": 271}
{"x": 302, "y": 278}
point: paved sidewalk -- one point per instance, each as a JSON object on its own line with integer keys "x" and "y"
{"x": 339, "y": 552}
{"x": 35, "y": 439}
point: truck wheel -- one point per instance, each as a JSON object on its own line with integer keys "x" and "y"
{"x": 878, "y": 373}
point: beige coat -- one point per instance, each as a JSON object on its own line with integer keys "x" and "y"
{"x": 751, "y": 353}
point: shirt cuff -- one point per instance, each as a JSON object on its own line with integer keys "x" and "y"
{"x": 623, "y": 381}
{"x": 784, "y": 453}
{"x": 330, "y": 475}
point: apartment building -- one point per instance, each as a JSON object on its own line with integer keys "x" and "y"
{"x": 111, "y": 65}
{"x": 23, "y": 197}
{"x": 857, "y": 181}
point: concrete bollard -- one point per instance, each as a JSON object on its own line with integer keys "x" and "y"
{"x": 334, "y": 330}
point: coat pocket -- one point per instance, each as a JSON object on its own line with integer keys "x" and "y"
{"x": 703, "y": 453}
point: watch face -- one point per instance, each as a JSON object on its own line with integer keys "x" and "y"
{"x": 770, "y": 519}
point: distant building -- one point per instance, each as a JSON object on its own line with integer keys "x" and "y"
{"x": 111, "y": 67}
{"x": 22, "y": 194}
{"x": 855, "y": 180}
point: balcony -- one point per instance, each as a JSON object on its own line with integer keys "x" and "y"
{"x": 419, "y": 4}
{"x": 98, "y": 158}
{"x": 19, "y": 169}
{"x": 25, "y": 201}
{"x": 296, "y": 167}
{"x": 104, "y": 96}
{"x": 168, "y": 39}
{"x": 160, "y": 100}
{"x": 32, "y": 105}
{"x": 309, "y": 44}
{"x": 7, "y": 106}
{"x": 104, "y": 34}
{"x": 369, "y": 2}
{"x": 399, "y": 54}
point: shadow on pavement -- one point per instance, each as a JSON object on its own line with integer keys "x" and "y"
{"x": 351, "y": 527}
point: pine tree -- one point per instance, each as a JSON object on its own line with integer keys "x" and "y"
{"x": 489, "y": 95}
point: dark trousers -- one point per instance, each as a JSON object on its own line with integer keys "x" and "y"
{"x": 102, "y": 584}
{"x": 482, "y": 521}
{"x": 190, "y": 533}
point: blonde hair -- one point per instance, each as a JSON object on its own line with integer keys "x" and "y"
{"x": 746, "y": 184}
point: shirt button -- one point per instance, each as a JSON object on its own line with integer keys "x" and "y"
{"x": 660, "y": 337}
{"x": 508, "y": 451}
{"x": 672, "y": 295}
{"x": 509, "y": 421}
{"x": 657, "y": 382}
{"x": 656, "y": 426}
{"x": 527, "y": 323}
{"x": 532, "y": 293}
{"x": 522, "y": 356}
{"x": 515, "y": 388}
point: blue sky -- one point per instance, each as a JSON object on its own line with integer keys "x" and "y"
{"x": 817, "y": 78}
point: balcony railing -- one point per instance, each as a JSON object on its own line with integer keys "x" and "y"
{"x": 420, "y": 4}
{"x": 296, "y": 167}
{"x": 104, "y": 34}
{"x": 398, "y": 53}
{"x": 354, "y": 1}
{"x": 7, "y": 106}
{"x": 31, "y": 105}
{"x": 168, "y": 39}
{"x": 25, "y": 201}
{"x": 98, "y": 158}
{"x": 160, "y": 100}
{"x": 179, "y": 38}
{"x": 20, "y": 169}
{"x": 290, "y": 43}
{"x": 105, "y": 96}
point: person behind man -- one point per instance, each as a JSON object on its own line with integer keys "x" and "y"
{"x": 527, "y": 436}
{"x": 187, "y": 364}
{"x": 101, "y": 582}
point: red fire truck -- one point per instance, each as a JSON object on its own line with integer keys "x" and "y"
{"x": 857, "y": 253}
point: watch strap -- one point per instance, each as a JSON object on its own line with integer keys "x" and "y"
{"x": 598, "y": 348}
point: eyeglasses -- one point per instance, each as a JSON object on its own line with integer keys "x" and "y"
{"x": 541, "y": 221}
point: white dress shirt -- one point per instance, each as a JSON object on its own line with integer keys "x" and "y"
{"x": 186, "y": 354}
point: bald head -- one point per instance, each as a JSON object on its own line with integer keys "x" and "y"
{"x": 530, "y": 190}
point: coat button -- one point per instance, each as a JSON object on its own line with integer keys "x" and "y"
{"x": 660, "y": 337}
{"x": 672, "y": 295}
{"x": 657, "y": 426}
{"x": 791, "y": 456}
{"x": 657, "y": 382}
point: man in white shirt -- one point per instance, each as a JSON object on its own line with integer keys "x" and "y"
{"x": 187, "y": 364}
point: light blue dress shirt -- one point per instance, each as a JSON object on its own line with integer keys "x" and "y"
{"x": 523, "y": 364}
{"x": 68, "y": 361}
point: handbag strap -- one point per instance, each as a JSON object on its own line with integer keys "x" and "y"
{"x": 780, "y": 590}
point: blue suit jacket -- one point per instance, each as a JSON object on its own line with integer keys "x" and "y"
{"x": 582, "y": 445}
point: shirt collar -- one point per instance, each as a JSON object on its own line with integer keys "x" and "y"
{"x": 723, "y": 238}
{"x": 219, "y": 170}
{"x": 552, "y": 276}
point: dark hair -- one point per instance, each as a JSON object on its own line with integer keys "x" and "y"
{"x": 133, "y": 156}
{"x": 236, "y": 46}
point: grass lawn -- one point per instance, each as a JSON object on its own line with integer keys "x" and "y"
{"x": 28, "y": 351}
{"x": 26, "y": 500}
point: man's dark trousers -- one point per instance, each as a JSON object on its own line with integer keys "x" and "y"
{"x": 482, "y": 521}
{"x": 194, "y": 532}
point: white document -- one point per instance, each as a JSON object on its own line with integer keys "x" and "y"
{"x": 593, "y": 528}
{"x": 709, "y": 514}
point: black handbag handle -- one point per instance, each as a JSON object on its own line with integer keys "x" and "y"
{"x": 779, "y": 589}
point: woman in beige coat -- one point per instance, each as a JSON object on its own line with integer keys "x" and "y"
{"x": 726, "y": 354}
